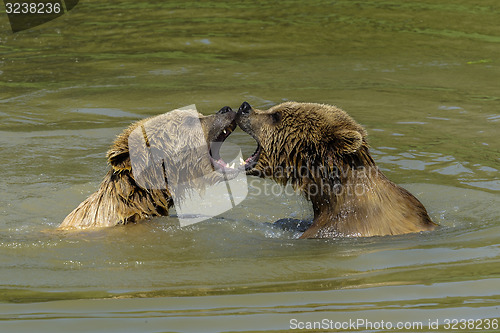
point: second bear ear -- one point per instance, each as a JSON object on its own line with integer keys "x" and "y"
{"x": 119, "y": 157}
{"x": 348, "y": 141}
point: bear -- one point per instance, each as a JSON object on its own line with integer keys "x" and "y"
{"x": 181, "y": 143}
{"x": 324, "y": 154}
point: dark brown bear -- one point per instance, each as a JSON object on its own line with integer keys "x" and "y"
{"x": 123, "y": 198}
{"x": 323, "y": 152}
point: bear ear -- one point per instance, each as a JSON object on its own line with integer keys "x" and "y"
{"x": 119, "y": 157}
{"x": 348, "y": 141}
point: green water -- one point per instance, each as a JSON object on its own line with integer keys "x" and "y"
{"x": 421, "y": 76}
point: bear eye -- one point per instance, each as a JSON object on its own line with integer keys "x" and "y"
{"x": 276, "y": 117}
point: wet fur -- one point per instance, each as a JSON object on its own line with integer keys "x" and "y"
{"x": 317, "y": 146}
{"x": 120, "y": 200}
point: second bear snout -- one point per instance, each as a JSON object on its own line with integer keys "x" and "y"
{"x": 225, "y": 109}
{"x": 244, "y": 109}
{"x": 243, "y": 118}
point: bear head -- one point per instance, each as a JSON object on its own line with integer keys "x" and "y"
{"x": 302, "y": 142}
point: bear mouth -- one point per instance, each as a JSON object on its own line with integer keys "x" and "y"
{"x": 250, "y": 162}
{"x": 214, "y": 150}
{"x": 221, "y": 165}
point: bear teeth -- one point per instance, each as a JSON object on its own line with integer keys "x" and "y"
{"x": 242, "y": 161}
{"x": 224, "y": 131}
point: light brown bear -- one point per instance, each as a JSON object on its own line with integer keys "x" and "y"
{"x": 178, "y": 150}
{"x": 323, "y": 152}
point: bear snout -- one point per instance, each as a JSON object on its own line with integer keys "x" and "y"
{"x": 244, "y": 109}
{"x": 225, "y": 109}
{"x": 243, "y": 118}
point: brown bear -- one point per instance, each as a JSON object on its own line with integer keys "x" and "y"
{"x": 324, "y": 154}
{"x": 172, "y": 152}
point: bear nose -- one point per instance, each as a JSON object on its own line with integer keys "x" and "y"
{"x": 225, "y": 109}
{"x": 245, "y": 108}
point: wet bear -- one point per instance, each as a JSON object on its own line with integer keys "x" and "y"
{"x": 324, "y": 154}
{"x": 152, "y": 163}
